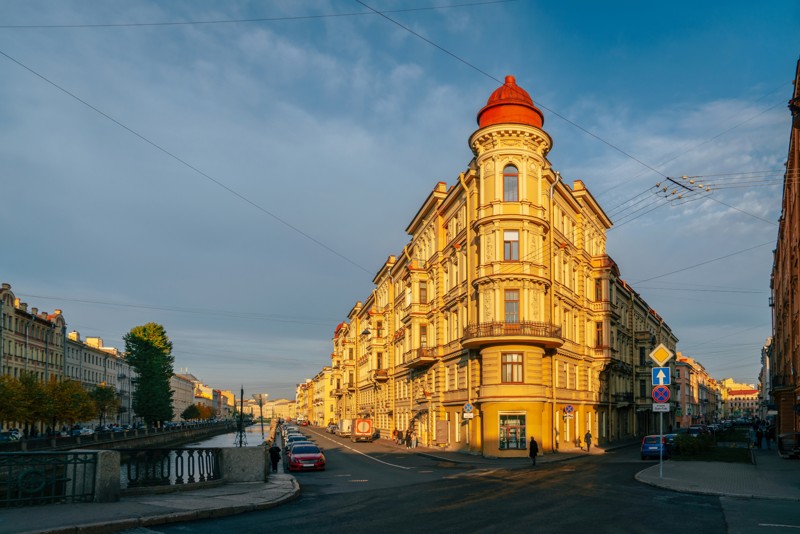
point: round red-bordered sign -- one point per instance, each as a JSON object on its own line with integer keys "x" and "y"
{"x": 661, "y": 394}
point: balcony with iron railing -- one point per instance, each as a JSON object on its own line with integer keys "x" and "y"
{"x": 420, "y": 357}
{"x": 545, "y": 334}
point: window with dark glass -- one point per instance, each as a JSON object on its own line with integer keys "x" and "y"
{"x": 423, "y": 336}
{"x": 511, "y": 368}
{"x": 511, "y": 297}
{"x": 511, "y": 245}
{"x": 423, "y": 292}
{"x": 642, "y": 356}
{"x": 598, "y": 334}
{"x": 510, "y": 184}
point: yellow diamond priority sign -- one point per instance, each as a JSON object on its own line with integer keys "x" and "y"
{"x": 661, "y": 355}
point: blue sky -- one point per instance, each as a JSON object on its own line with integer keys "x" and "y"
{"x": 259, "y": 173}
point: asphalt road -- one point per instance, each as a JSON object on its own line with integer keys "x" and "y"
{"x": 369, "y": 489}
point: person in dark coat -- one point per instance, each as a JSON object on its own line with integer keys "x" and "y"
{"x": 533, "y": 450}
{"x": 274, "y": 457}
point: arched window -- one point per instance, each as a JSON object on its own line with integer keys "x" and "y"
{"x": 510, "y": 184}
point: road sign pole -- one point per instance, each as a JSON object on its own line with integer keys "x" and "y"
{"x": 661, "y": 447}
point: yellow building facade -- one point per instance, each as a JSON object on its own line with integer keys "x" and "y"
{"x": 499, "y": 321}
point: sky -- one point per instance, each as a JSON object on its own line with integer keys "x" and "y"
{"x": 239, "y": 171}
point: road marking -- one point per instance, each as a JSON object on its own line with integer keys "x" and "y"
{"x": 777, "y": 525}
{"x": 359, "y": 481}
{"x": 363, "y": 453}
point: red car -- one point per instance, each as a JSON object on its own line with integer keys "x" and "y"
{"x": 303, "y": 457}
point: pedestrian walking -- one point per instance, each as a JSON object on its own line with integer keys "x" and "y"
{"x": 408, "y": 439}
{"x": 274, "y": 457}
{"x": 770, "y": 435}
{"x": 414, "y": 439}
{"x": 533, "y": 451}
{"x": 588, "y": 439}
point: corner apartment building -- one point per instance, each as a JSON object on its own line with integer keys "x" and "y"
{"x": 503, "y": 318}
{"x": 785, "y": 300}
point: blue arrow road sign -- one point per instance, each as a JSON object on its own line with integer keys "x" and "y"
{"x": 661, "y": 376}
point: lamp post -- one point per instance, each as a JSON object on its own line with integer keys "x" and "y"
{"x": 261, "y": 398}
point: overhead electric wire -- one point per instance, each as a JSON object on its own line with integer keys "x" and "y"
{"x": 187, "y": 164}
{"x": 691, "y": 146}
{"x": 249, "y": 20}
{"x": 194, "y": 311}
{"x": 704, "y": 262}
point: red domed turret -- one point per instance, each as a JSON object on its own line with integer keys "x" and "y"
{"x": 510, "y": 103}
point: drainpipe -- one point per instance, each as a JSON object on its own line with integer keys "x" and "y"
{"x": 553, "y": 436}
{"x": 2, "y": 327}
{"x": 469, "y": 303}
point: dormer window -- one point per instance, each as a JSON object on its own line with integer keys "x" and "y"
{"x": 510, "y": 184}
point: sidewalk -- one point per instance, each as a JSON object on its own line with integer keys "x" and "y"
{"x": 772, "y": 477}
{"x": 148, "y": 510}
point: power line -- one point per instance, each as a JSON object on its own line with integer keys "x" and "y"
{"x": 193, "y": 311}
{"x": 703, "y": 263}
{"x": 188, "y": 165}
{"x": 249, "y": 20}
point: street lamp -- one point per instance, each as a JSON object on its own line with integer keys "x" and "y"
{"x": 260, "y": 399}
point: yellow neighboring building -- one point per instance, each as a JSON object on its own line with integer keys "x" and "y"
{"x": 31, "y": 341}
{"x": 503, "y": 317}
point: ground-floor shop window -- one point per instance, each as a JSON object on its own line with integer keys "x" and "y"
{"x": 512, "y": 431}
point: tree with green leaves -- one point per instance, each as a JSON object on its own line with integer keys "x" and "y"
{"x": 105, "y": 401}
{"x": 149, "y": 351}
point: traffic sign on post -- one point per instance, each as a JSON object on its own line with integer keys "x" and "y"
{"x": 661, "y": 355}
{"x": 661, "y": 376}
{"x": 662, "y": 407}
{"x": 467, "y": 408}
{"x": 661, "y": 393}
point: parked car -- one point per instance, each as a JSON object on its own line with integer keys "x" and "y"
{"x": 292, "y": 445}
{"x": 697, "y": 430}
{"x": 304, "y": 458}
{"x": 9, "y": 436}
{"x": 652, "y": 447}
{"x": 332, "y": 428}
{"x": 292, "y": 438}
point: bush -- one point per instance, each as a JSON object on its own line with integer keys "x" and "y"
{"x": 686, "y": 445}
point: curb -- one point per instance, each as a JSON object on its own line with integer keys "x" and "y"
{"x": 713, "y": 493}
{"x": 172, "y": 517}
